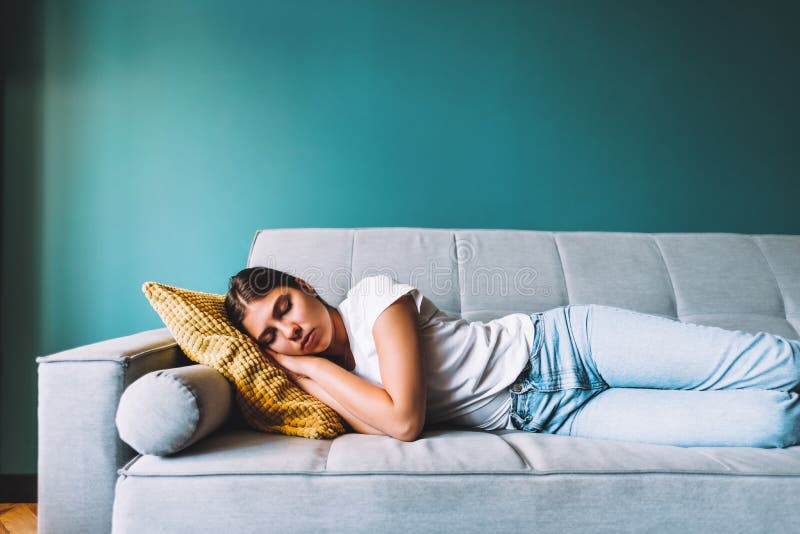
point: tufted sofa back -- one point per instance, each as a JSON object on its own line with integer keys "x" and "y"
{"x": 736, "y": 281}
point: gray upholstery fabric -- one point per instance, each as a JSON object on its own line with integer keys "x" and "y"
{"x": 458, "y": 451}
{"x": 479, "y": 503}
{"x": 79, "y": 449}
{"x": 719, "y": 279}
{"x": 167, "y": 410}
{"x": 454, "y": 480}
{"x": 450, "y": 479}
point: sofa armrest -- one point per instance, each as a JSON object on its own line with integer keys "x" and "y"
{"x": 79, "y": 448}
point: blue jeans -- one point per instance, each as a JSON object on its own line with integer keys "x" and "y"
{"x": 604, "y": 372}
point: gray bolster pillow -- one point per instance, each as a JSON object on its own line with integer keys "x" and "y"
{"x": 165, "y": 411}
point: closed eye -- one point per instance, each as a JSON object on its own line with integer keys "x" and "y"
{"x": 287, "y": 305}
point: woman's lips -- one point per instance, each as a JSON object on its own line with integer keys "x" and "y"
{"x": 310, "y": 341}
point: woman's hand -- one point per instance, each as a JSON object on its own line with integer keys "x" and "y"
{"x": 295, "y": 366}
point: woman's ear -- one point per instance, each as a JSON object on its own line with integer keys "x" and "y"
{"x": 307, "y": 287}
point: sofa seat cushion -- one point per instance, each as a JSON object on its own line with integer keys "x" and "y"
{"x": 453, "y": 451}
{"x": 455, "y": 481}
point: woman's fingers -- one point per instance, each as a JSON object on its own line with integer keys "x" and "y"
{"x": 287, "y": 363}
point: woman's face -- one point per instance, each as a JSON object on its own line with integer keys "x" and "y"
{"x": 282, "y": 319}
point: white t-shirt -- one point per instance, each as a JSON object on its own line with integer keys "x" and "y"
{"x": 469, "y": 365}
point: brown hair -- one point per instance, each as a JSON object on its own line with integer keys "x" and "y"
{"x": 252, "y": 284}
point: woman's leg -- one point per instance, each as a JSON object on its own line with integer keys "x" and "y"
{"x": 637, "y": 350}
{"x": 645, "y": 360}
{"x": 725, "y": 418}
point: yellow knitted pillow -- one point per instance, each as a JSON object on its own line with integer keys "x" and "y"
{"x": 268, "y": 400}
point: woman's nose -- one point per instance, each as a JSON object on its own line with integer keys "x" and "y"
{"x": 290, "y": 331}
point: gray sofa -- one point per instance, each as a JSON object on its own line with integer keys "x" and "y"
{"x": 451, "y": 479}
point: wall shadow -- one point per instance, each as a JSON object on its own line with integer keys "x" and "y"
{"x": 21, "y": 152}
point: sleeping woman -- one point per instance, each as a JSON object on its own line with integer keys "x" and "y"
{"x": 389, "y": 362}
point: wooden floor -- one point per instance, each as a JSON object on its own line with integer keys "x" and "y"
{"x": 17, "y": 518}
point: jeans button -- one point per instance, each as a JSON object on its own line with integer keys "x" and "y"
{"x": 516, "y": 388}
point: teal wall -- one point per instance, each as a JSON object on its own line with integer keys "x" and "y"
{"x": 148, "y": 140}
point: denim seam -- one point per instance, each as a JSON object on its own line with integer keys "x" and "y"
{"x": 590, "y": 351}
{"x": 561, "y": 387}
{"x": 538, "y": 335}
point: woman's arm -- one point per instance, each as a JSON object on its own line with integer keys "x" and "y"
{"x": 399, "y": 409}
{"x": 314, "y": 389}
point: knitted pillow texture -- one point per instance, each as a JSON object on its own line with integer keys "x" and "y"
{"x": 268, "y": 400}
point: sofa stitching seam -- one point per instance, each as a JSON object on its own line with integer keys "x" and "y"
{"x": 352, "y": 255}
{"x": 554, "y": 237}
{"x": 519, "y": 454}
{"x": 150, "y": 351}
{"x": 755, "y": 240}
{"x": 669, "y": 274}
{"x": 458, "y": 275}
{"x": 521, "y": 472}
{"x": 122, "y": 360}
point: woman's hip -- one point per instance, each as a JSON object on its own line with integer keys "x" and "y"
{"x": 563, "y": 359}
{"x": 560, "y": 376}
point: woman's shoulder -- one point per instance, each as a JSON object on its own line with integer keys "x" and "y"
{"x": 377, "y": 284}
{"x": 374, "y": 293}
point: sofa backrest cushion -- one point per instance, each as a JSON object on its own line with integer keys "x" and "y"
{"x": 734, "y": 281}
